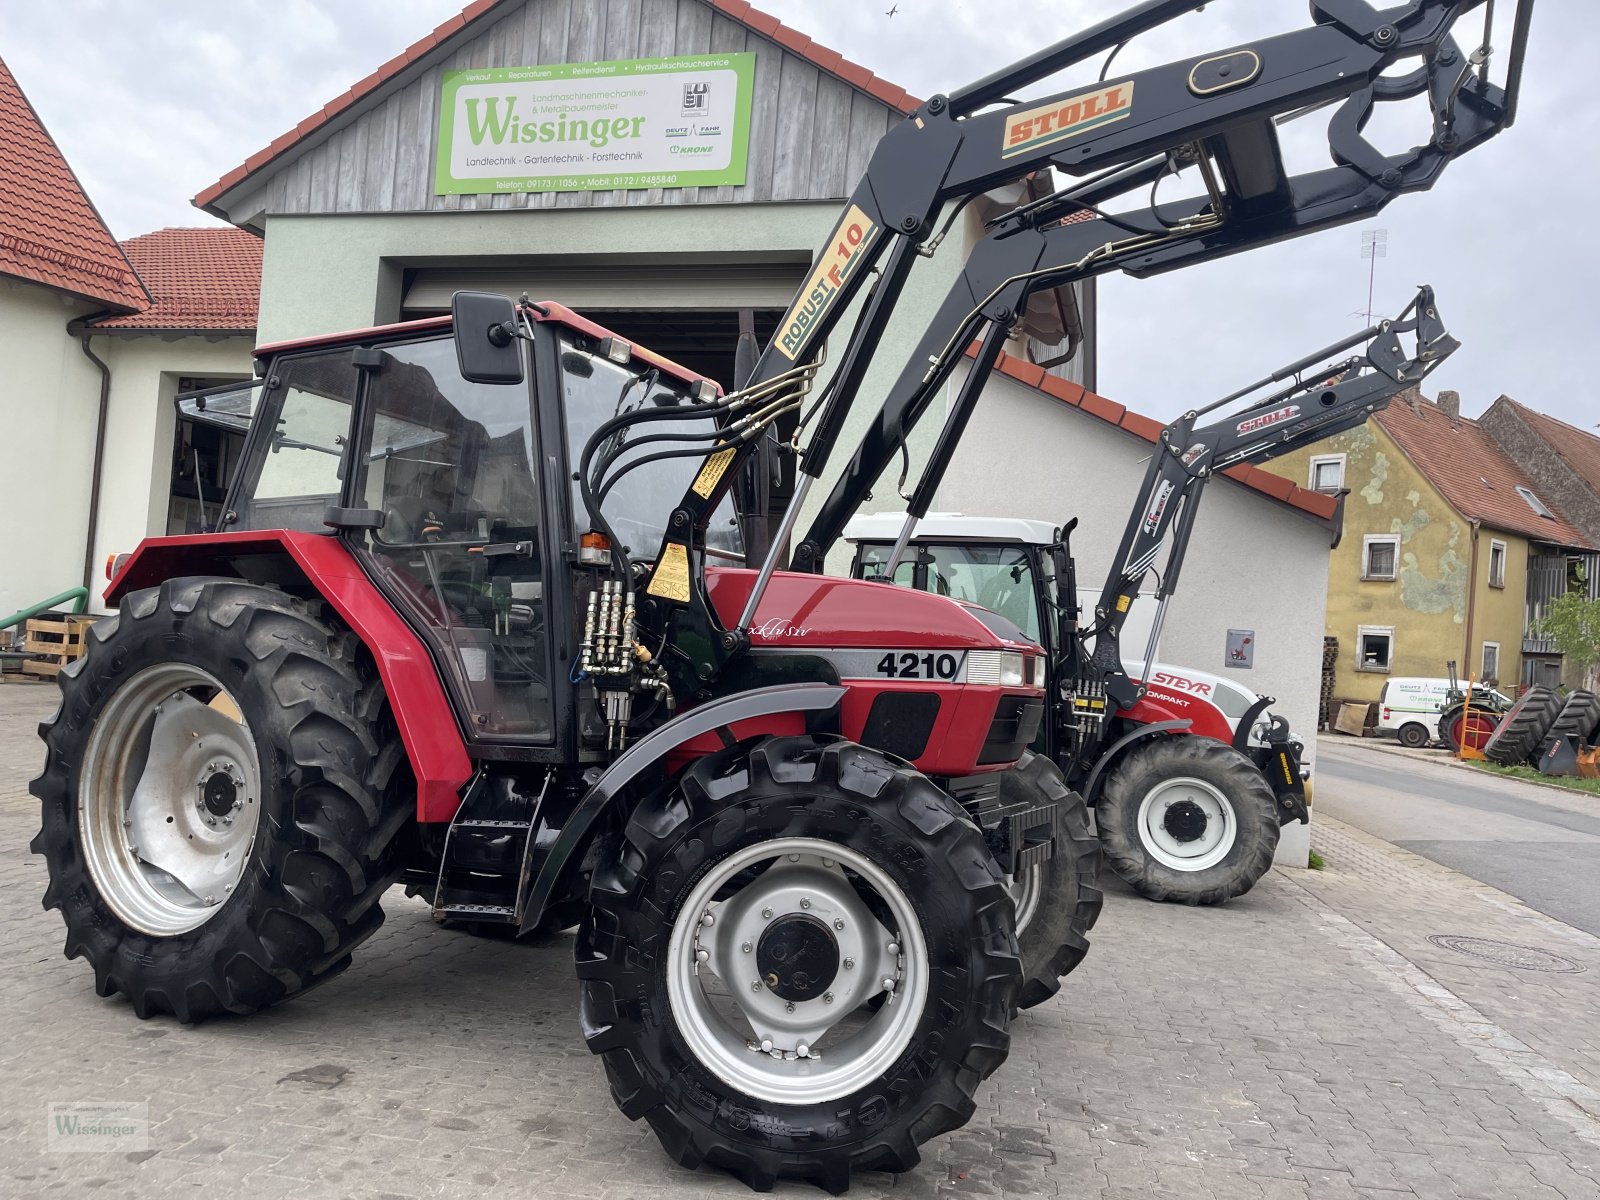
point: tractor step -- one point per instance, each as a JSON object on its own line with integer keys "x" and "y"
{"x": 488, "y": 913}
{"x": 486, "y": 853}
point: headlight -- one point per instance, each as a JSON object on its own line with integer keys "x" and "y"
{"x": 1012, "y": 668}
{"x": 996, "y": 668}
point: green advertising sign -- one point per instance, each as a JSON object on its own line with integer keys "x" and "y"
{"x": 643, "y": 123}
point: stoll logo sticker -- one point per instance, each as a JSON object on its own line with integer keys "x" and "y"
{"x": 89, "y": 1127}
{"x": 1263, "y": 420}
{"x": 1062, "y": 119}
{"x": 834, "y": 267}
{"x": 1158, "y": 505}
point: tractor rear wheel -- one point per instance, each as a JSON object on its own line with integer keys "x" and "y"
{"x": 1516, "y": 739}
{"x": 1188, "y": 819}
{"x": 740, "y": 924}
{"x": 220, "y": 799}
{"x": 1057, "y": 901}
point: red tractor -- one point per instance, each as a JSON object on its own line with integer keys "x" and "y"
{"x": 475, "y": 618}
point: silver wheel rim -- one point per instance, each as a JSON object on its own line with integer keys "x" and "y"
{"x": 169, "y": 799}
{"x": 810, "y": 1051}
{"x": 1197, "y": 854}
{"x": 1025, "y": 891}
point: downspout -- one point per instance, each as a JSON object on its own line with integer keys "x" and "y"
{"x": 1472, "y": 596}
{"x": 81, "y": 328}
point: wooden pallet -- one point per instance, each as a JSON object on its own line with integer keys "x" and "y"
{"x": 59, "y": 640}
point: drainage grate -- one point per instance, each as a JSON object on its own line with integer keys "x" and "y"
{"x": 1508, "y": 954}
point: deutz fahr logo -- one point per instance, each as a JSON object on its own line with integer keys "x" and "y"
{"x": 1055, "y": 122}
{"x": 1262, "y": 420}
{"x": 834, "y": 266}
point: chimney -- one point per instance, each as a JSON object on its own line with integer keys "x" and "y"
{"x": 1450, "y": 404}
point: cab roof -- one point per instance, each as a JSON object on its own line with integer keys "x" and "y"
{"x": 544, "y": 310}
{"x": 951, "y": 526}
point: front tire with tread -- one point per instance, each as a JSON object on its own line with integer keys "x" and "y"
{"x": 815, "y": 788}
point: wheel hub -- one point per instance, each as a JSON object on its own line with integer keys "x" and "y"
{"x": 1185, "y": 821}
{"x": 797, "y": 957}
{"x": 219, "y": 792}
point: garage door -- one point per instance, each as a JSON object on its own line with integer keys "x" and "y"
{"x": 590, "y": 287}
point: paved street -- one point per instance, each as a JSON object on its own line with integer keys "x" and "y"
{"x": 1537, "y": 843}
{"x": 1307, "y": 1041}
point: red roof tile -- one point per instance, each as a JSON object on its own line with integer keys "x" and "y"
{"x": 50, "y": 232}
{"x": 1315, "y": 503}
{"x": 753, "y": 19}
{"x": 198, "y": 279}
{"x": 1470, "y": 471}
{"x": 1578, "y": 447}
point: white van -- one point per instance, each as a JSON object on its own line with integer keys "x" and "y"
{"x": 1409, "y": 707}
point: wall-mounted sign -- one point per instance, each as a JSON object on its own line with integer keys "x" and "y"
{"x": 1241, "y": 649}
{"x": 643, "y": 123}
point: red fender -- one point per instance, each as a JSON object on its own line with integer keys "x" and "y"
{"x": 1159, "y": 704}
{"x": 422, "y": 712}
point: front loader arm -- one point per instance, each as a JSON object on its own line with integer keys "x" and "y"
{"x": 1216, "y": 111}
{"x": 1324, "y": 399}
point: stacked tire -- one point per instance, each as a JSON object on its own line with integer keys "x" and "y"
{"x": 1526, "y": 725}
{"x": 1578, "y": 718}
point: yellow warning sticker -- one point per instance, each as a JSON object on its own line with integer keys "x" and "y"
{"x": 1123, "y": 602}
{"x": 712, "y": 471}
{"x": 671, "y": 578}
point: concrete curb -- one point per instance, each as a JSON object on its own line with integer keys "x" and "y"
{"x": 1442, "y": 759}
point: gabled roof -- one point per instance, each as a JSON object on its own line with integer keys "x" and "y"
{"x": 1578, "y": 448}
{"x": 1473, "y": 475}
{"x": 50, "y": 232}
{"x": 1323, "y": 507}
{"x": 198, "y": 279}
{"x": 738, "y": 10}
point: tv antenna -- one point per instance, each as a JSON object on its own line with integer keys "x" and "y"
{"x": 1374, "y": 245}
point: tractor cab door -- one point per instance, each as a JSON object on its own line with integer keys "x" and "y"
{"x": 463, "y": 541}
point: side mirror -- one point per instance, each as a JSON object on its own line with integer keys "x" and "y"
{"x": 486, "y": 337}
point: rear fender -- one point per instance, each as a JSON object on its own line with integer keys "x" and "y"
{"x": 617, "y": 785}
{"x": 320, "y": 565}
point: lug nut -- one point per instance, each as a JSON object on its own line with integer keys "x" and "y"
{"x": 827, "y": 997}
{"x": 766, "y": 914}
{"x": 804, "y": 902}
{"x": 745, "y": 947}
{"x": 838, "y": 922}
{"x": 803, "y": 1050}
{"x": 702, "y": 955}
{"x": 789, "y": 1008}
{"x": 708, "y": 919}
{"x": 849, "y": 964}
{"x": 888, "y": 984}
{"x": 766, "y": 1045}
{"x": 827, "y": 862}
{"x": 794, "y": 858}
{"x": 894, "y": 948}
{"x": 755, "y": 985}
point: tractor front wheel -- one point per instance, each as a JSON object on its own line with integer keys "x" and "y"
{"x": 218, "y": 800}
{"x": 1188, "y": 819}
{"x": 740, "y": 927}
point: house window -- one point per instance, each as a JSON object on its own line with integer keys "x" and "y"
{"x": 1379, "y": 551}
{"x": 1374, "y": 647}
{"x": 1327, "y": 473}
{"x": 1533, "y": 502}
{"x": 1497, "y": 563}
{"x": 1491, "y": 664}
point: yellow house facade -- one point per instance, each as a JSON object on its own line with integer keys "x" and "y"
{"x": 1444, "y": 546}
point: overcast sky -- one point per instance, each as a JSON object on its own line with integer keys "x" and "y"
{"x": 152, "y": 100}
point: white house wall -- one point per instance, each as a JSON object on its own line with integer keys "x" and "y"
{"x": 49, "y": 398}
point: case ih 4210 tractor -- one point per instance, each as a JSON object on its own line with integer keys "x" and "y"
{"x": 1193, "y": 819}
{"x": 472, "y": 619}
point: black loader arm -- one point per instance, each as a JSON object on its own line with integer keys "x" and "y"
{"x": 1324, "y": 398}
{"x": 1214, "y": 112}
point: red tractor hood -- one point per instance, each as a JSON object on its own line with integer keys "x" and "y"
{"x": 800, "y": 610}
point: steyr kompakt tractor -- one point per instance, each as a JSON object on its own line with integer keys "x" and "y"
{"x": 1188, "y": 785}
{"x": 473, "y": 618}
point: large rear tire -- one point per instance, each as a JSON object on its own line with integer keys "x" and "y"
{"x": 1579, "y": 716}
{"x": 1188, "y": 819}
{"x": 738, "y": 927}
{"x": 219, "y": 800}
{"x": 1516, "y": 739}
{"x": 1057, "y": 902}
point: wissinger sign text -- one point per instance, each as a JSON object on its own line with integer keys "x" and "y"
{"x": 643, "y": 123}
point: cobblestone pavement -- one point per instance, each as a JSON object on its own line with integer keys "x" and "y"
{"x": 1305, "y": 1041}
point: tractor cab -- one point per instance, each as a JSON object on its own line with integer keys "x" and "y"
{"x": 456, "y": 494}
